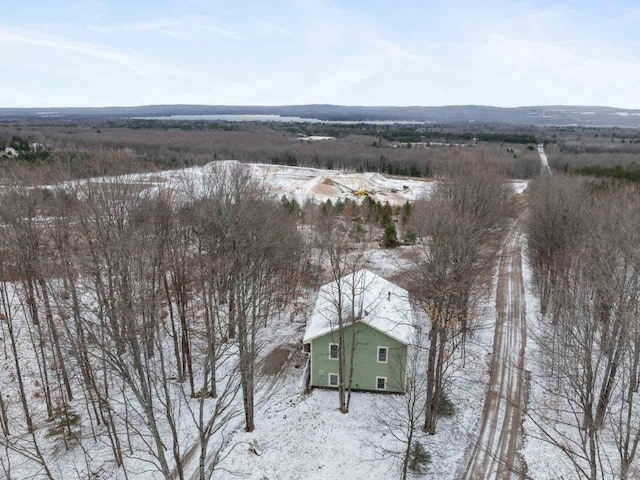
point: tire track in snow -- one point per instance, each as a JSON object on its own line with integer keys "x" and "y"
{"x": 494, "y": 455}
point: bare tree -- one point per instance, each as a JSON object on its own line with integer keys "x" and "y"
{"x": 454, "y": 227}
{"x": 403, "y": 418}
{"x": 344, "y": 260}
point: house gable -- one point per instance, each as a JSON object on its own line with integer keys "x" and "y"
{"x": 366, "y": 366}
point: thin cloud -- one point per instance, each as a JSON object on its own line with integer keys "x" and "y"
{"x": 126, "y": 60}
{"x": 279, "y": 29}
{"x": 165, "y": 27}
{"x": 394, "y": 49}
{"x": 174, "y": 27}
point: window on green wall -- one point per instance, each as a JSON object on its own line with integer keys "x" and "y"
{"x": 383, "y": 353}
{"x": 334, "y": 348}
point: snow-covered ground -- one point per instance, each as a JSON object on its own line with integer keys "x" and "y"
{"x": 519, "y": 186}
{"x": 302, "y": 183}
{"x": 389, "y": 262}
{"x": 546, "y": 170}
{"x": 315, "y": 138}
{"x": 457, "y": 434}
{"x": 306, "y": 437}
{"x": 547, "y": 408}
{"x": 305, "y": 184}
{"x": 544, "y": 461}
{"x": 298, "y": 436}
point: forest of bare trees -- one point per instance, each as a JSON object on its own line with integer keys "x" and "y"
{"x": 74, "y": 146}
{"x": 583, "y": 238}
{"x": 139, "y": 313}
{"x": 134, "y": 319}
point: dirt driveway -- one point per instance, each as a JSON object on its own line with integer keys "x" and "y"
{"x": 494, "y": 455}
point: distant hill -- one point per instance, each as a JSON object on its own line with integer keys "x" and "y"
{"x": 540, "y": 115}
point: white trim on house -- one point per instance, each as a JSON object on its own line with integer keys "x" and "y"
{"x": 406, "y": 366}
{"x": 338, "y": 356}
{"x": 386, "y": 354}
{"x": 311, "y": 364}
{"x": 385, "y": 384}
{"x": 329, "y": 380}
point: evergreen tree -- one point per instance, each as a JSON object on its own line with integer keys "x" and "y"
{"x": 357, "y": 231}
{"x": 410, "y": 236}
{"x": 405, "y": 215}
{"x": 419, "y": 459}
{"x": 385, "y": 215}
{"x": 390, "y": 237}
{"x": 327, "y": 207}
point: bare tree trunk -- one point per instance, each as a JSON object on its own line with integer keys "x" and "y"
{"x": 55, "y": 337}
{"x": 431, "y": 410}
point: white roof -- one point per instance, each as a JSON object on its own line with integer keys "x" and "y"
{"x": 378, "y": 303}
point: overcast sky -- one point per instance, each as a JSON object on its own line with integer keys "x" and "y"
{"x": 363, "y": 52}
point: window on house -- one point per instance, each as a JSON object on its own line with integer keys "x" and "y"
{"x": 333, "y": 351}
{"x": 333, "y": 379}
{"x": 381, "y": 383}
{"x": 382, "y": 354}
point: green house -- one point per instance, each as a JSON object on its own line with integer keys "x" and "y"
{"x": 378, "y": 324}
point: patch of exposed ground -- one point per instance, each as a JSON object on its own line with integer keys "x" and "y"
{"x": 281, "y": 358}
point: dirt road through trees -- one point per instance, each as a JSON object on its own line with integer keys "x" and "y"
{"x": 494, "y": 456}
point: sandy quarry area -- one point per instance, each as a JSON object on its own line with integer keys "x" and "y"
{"x": 301, "y": 183}
{"x": 305, "y": 184}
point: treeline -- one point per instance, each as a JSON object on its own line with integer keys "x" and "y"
{"x": 169, "y": 149}
{"x": 160, "y": 124}
{"x": 583, "y": 238}
{"x": 504, "y": 137}
{"x": 52, "y": 166}
{"x": 629, "y": 173}
{"x": 362, "y": 221}
{"x": 597, "y": 161}
{"x": 621, "y": 145}
{"x": 391, "y": 132}
{"x": 382, "y": 164}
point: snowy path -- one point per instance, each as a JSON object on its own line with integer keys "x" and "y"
{"x": 546, "y": 170}
{"x": 495, "y": 456}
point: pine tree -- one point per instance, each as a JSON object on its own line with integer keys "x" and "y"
{"x": 419, "y": 459}
{"x": 390, "y": 237}
{"x": 385, "y": 214}
{"x": 405, "y": 215}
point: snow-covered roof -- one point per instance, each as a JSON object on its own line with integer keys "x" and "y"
{"x": 380, "y": 304}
